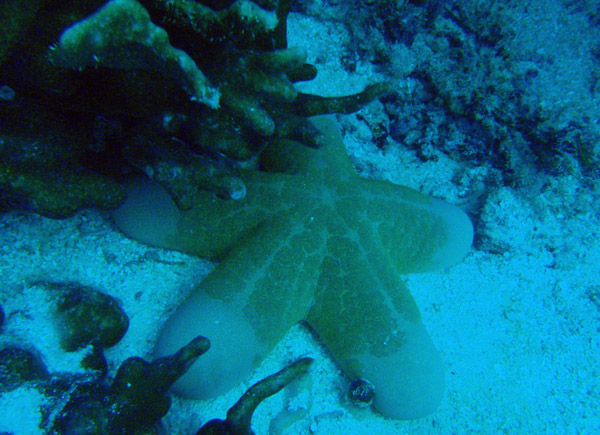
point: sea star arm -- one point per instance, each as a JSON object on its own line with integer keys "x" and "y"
{"x": 369, "y": 321}
{"x": 246, "y": 305}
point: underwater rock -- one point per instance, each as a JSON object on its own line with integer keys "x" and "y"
{"x": 86, "y": 316}
{"x": 361, "y": 393}
{"x": 18, "y": 366}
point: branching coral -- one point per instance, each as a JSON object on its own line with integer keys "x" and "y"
{"x": 121, "y": 35}
{"x": 194, "y": 88}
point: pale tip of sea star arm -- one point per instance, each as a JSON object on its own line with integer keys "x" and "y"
{"x": 459, "y": 237}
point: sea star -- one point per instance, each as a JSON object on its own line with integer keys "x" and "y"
{"x": 311, "y": 241}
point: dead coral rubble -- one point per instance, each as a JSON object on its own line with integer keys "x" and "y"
{"x": 189, "y": 89}
{"x": 135, "y": 401}
{"x": 239, "y": 416}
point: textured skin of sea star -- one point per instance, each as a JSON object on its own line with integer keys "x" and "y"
{"x": 311, "y": 242}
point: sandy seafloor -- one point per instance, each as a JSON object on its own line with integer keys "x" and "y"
{"x": 518, "y": 331}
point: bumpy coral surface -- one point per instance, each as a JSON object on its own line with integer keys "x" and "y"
{"x": 181, "y": 90}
